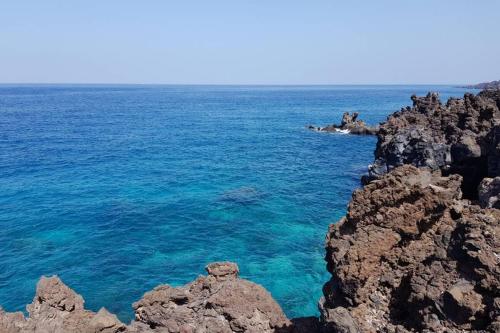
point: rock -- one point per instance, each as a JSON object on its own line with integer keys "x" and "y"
{"x": 305, "y": 325}
{"x": 461, "y": 302}
{"x": 350, "y": 124}
{"x": 58, "y": 309}
{"x": 494, "y": 150}
{"x": 411, "y": 255}
{"x": 489, "y": 193}
{"x": 223, "y": 270}
{"x": 338, "y": 320}
{"x": 461, "y": 137}
{"x": 219, "y": 302}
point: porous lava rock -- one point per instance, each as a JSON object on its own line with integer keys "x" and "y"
{"x": 58, "y": 309}
{"x": 412, "y": 256}
{"x": 460, "y": 137}
{"x": 220, "y": 302}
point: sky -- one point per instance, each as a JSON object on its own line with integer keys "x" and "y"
{"x": 250, "y": 42}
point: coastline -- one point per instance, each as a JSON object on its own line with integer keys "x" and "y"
{"x": 427, "y": 233}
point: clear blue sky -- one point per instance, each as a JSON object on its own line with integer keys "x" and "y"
{"x": 249, "y": 42}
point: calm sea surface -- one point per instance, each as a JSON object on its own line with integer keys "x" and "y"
{"x": 117, "y": 189}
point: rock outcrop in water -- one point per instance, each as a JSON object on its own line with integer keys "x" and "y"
{"x": 220, "y": 302}
{"x": 461, "y": 137}
{"x": 350, "y": 124}
{"x": 412, "y": 256}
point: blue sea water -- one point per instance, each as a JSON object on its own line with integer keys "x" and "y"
{"x": 117, "y": 189}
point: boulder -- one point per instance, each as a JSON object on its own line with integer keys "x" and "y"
{"x": 219, "y": 302}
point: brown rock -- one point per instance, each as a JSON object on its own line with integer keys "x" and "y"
{"x": 411, "y": 255}
{"x": 223, "y": 270}
{"x": 58, "y": 309}
{"x": 219, "y": 302}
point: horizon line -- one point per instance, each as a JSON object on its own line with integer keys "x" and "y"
{"x": 238, "y": 84}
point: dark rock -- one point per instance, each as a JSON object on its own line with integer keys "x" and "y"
{"x": 461, "y": 302}
{"x": 350, "y": 124}
{"x": 338, "y": 320}
{"x": 489, "y": 193}
{"x": 305, "y": 325}
{"x": 460, "y": 137}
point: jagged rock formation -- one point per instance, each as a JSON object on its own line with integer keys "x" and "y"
{"x": 218, "y": 303}
{"x": 412, "y": 256}
{"x": 58, "y": 309}
{"x": 461, "y": 137}
{"x": 350, "y": 124}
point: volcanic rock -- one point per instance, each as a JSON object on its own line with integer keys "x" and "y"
{"x": 460, "y": 137}
{"x": 489, "y": 192}
{"x": 218, "y": 303}
{"x": 58, "y": 309}
{"x": 410, "y": 256}
{"x": 350, "y": 124}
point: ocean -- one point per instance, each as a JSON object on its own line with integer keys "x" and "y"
{"x": 119, "y": 188}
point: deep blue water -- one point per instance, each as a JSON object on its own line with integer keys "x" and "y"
{"x": 120, "y": 188}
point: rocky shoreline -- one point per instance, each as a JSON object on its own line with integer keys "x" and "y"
{"x": 418, "y": 250}
{"x": 485, "y": 85}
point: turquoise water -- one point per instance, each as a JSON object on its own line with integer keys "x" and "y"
{"x": 120, "y": 188}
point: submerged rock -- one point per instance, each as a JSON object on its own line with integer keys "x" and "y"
{"x": 245, "y": 195}
{"x": 350, "y": 124}
{"x": 412, "y": 256}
